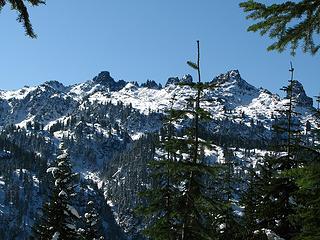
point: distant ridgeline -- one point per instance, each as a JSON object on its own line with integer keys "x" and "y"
{"x": 111, "y": 129}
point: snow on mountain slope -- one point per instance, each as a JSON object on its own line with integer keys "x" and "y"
{"x": 16, "y": 94}
{"x": 106, "y": 125}
{"x": 233, "y": 94}
{"x": 145, "y": 99}
{"x": 234, "y": 90}
{"x": 52, "y": 100}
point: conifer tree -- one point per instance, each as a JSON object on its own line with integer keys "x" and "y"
{"x": 161, "y": 197}
{"x": 23, "y": 15}
{"x": 201, "y": 206}
{"x": 250, "y": 199}
{"x": 59, "y": 217}
{"x": 91, "y": 218}
{"x": 307, "y": 214}
{"x": 184, "y": 205}
{"x": 290, "y": 23}
{"x": 229, "y": 187}
{"x": 276, "y": 186}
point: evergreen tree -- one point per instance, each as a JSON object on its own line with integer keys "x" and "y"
{"x": 163, "y": 194}
{"x": 59, "y": 217}
{"x": 284, "y": 185}
{"x": 91, "y": 218}
{"x": 184, "y": 203}
{"x": 307, "y": 213}
{"x": 230, "y": 183}
{"x": 271, "y": 196}
{"x": 290, "y": 23}
{"x": 23, "y": 15}
{"x": 250, "y": 199}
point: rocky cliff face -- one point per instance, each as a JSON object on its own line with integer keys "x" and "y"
{"x": 175, "y": 80}
{"x": 106, "y": 80}
{"x": 300, "y": 95}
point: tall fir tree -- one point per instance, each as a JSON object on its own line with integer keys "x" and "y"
{"x": 59, "y": 218}
{"x": 275, "y": 187}
{"x": 161, "y": 198}
{"x": 229, "y": 184}
{"x": 307, "y": 215}
{"x": 182, "y": 204}
{"x": 91, "y": 221}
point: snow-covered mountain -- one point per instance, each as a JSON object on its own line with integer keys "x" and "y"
{"x": 52, "y": 100}
{"x": 108, "y": 125}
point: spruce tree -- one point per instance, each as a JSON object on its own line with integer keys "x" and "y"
{"x": 161, "y": 198}
{"x": 184, "y": 203}
{"x": 59, "y": 217}
{"x": 230, "y": 182}
{"x": 250, "y": 199}
{"x": 307, "y": 214}
{"x": 91, "y": 220}
{"x": 200, "y": 205}
{"x": 290, "y": 161}
{"x": 290, "y": 23}
{"x": 270, "y": 200}
{"x": 23, "y": 15}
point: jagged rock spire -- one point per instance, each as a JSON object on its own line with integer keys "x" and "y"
{"x": 106, "y": 80}
{"x": 300, "y": 95}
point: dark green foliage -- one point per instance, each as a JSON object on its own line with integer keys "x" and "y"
{"x": 183, "y": 202}
{"x": 308, "y": 197}
{"x": 290, "y": 23}
{"x": 307, "y": 214}
{"x": 251, "y": 199}
{"x": 277, "y": 203}
{"x": 58, "y": 214}
{"x": 91, "y": 219}
{"x": 270, "y": 200}
{"x": 228, "y": 183}
{"x": 23, "y": 15}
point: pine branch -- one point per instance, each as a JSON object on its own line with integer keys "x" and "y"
{"x": 23, "y": 14}
{"x": 290, "y": 23}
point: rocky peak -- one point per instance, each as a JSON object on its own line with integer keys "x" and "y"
{"x": 186, "y": 79}
{"x": 234, "y": 78}
{"x": 151, "y": 84}
{"x": 229, "y": 76}
{"x": 172, "y": 80}
{"x": 103, "y": 78}
{"x": 55, "y": 85}
{"x": 175, "y": 80}
{"x": 300, "y": 95}
{"x": 106, "y": 80}
{"x": 130, "y": 87}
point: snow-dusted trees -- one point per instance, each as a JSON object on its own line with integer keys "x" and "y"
{"x": 91, "y": 220}
{"x": 162, "y": 197}
{"x": 59, "y": 217}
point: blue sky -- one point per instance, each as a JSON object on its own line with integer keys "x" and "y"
{"x": 140, "y": 40}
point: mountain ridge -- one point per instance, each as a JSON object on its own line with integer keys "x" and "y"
{"x": 233, "y": 92}
{"x": 110, "y": 126}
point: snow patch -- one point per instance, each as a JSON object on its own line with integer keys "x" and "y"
{"x": 56, "y": 236}
{"x": 73, "y": 211}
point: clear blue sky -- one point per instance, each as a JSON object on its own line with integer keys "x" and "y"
{"x": 142, "y": 39}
